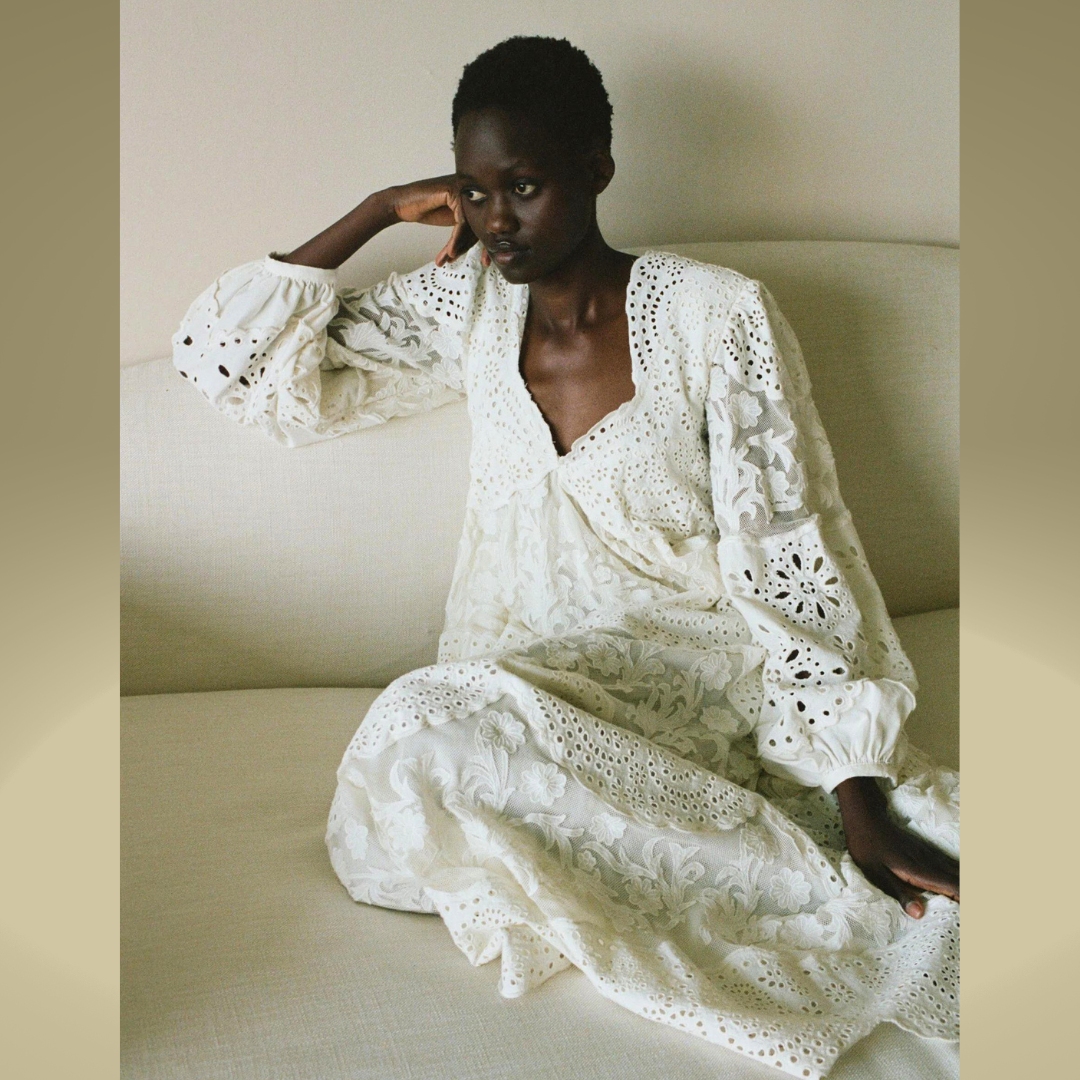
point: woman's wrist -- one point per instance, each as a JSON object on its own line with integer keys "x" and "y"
{"x": 381, "y": 207}
{"x": 330, "y": 248}
{"x": 864, "y": 815}
{"x": 860, "y": 797}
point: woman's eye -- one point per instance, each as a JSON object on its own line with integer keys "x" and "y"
{"x": 472, "y": 195}
{"x": 524, "y": 187}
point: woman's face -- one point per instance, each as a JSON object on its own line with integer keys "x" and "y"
{"x": 529, "y": 200}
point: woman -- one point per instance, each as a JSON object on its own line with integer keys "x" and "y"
{"x": 668, "y": 694}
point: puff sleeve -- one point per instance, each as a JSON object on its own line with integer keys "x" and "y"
{"x": 837, "y": 684}
{"x": 283, "y": 348}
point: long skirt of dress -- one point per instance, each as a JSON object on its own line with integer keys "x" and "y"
{"x": 597, "y": 801}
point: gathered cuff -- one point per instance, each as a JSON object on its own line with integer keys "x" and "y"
{"x": 314, "y": 275}
{"x": 834, "y": 777}
{"x": 821, "y": 736}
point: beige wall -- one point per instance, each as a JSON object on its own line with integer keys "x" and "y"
{"x": 248, "y": 125}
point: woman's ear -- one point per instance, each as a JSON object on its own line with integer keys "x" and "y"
{"x": 601, "y": 168}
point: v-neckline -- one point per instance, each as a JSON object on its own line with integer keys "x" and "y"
{"x": 609, "y": 418}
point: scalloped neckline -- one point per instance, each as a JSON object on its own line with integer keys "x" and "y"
{"x": 608, "y": 419}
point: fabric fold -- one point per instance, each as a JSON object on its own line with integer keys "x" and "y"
{"x": 662, "y": 650}
{"x": 836, "y": 685}
{"x": 284, "y": 348}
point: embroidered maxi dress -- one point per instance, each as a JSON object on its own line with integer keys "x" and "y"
{"x": 662, "y": 652}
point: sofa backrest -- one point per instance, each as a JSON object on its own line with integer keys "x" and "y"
{"x": 245, "y": 564}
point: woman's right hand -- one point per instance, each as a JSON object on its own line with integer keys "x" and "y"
{"x": 430, "y": 202}
{"x": 436, "y": 202}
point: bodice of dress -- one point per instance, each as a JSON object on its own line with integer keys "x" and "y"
{"x": 705, "y": 507}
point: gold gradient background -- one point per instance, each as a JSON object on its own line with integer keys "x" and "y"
{"x": 59, "y": 750}
{"x": 1020, "y": 720}
{"x": 1021, "y": 664}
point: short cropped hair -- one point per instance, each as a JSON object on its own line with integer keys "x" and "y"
{"x": 546, "y": 79}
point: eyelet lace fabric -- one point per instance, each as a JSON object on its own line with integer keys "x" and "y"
{"x": 662, "y": 652}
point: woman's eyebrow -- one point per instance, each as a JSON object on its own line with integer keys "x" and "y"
{"x": 530, "y": 166}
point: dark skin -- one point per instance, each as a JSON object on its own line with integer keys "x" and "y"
{"x": 533, "y": 207}
{"x": 517, "y": 189}
{"x": 531, "y": 202}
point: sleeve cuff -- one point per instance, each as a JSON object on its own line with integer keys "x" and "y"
{"x": 830, "y": 779}
{"x": 313, "y": 275}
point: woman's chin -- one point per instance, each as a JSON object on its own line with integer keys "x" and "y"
{"x": 518, "y": 271}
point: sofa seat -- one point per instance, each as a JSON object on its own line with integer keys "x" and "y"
{"x": 243, "y": 957}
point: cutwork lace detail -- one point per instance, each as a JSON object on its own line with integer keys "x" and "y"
{"x": 661, "y": 652}
{"x": 546, "y": 836}
{"x": 277, "y": 346}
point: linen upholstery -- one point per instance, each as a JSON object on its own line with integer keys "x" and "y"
{"x": 248, "y": 565}
{"x": 244, "y": 958}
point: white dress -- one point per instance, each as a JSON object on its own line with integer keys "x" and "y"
{"x": 662, "y": 652}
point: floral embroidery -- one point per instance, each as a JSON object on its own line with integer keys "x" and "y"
{"x": 678, "y": 613}
{"x": 405, "y": 829}
{"x": 501, "y": 731}
{"x": 604, "y": 657}
{"x": 543, "y": 784}
{"x": 356, "y": 839}
{"x": 745, "y": 409}
{"x": 715, "y": 671}
{"x": 789, "y": 890}
{"x": 607, "y": 828}
{"x": 719, "y": 720}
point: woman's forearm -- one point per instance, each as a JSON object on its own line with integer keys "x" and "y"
{"x": 860, "y": 797}
{"x": 330, "y": 248}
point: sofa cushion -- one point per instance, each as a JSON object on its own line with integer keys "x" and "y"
{"x": 245, "y": 564}
{"x": 243, "y": 957}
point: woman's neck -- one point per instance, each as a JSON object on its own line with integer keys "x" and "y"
{"x": 587, "y": 289}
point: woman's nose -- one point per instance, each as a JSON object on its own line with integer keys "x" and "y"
{"x": 501, "y": 220}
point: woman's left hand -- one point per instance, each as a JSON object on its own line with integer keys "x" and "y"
{"x": 897, "y": 861}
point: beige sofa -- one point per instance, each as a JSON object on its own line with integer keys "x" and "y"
{"x": 268, "y": 594}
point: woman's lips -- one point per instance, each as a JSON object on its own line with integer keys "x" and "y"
{"x": 504, "y": 256}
